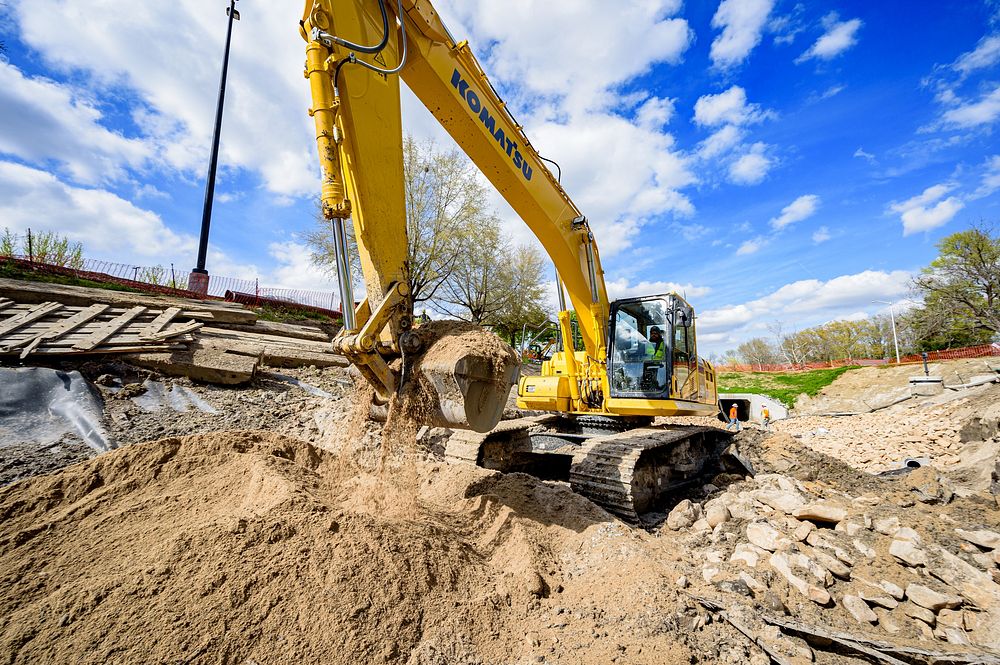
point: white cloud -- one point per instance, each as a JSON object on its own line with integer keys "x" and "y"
{"x": 801, "y": 208}
{"x": 107, "y": 225}
{"x": 621, "y": 288}
{"x": 592, "y": 50}
{"x": 113, "y": 229}
{"x": 839, "y": 36}
{"x": 729, "y": 107}
{"x": 983, "y": 112}
{"x": 742, "y": 22}
{"x": 802, "y": 303}
{"x": 752, "y": 167}
{"x": 564, "y": 87}
{"x": 42, "y": 121}
{"x": 927, "y": 210}
{"x": 821, "y": 235}
{"x": 751, "y": 246}
{"x": 991, "y": 177}
{"x": 641, "y": 179}
{"x": 654, "y": 113}
{"x": 118, "y": 48}
{"x": 721, "y": 141}
{"x": 986, "y": 54}
{"x": 867, "y": 156}
{"x": 295, "y": 270}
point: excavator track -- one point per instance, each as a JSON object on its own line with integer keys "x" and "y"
{"x": 627, "y": 473}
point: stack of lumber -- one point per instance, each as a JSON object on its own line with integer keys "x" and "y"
{"x": 53, "y": 328}
{"x": 206, "y": 340}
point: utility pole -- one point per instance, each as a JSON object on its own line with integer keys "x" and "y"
{"x": 892, "y": 317}
{"x": 198, "y": 279}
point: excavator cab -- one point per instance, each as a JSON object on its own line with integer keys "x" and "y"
{"x": 652, "y": 348}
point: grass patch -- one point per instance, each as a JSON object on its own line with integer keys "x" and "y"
{"x": 13, "y": 271}
{"x": 783, "y": 387}
{"x": 282, "y": 315}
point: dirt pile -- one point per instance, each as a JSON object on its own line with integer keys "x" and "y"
{"x": 251, "y": 547}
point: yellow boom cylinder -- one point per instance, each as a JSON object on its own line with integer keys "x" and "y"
{"x": 324, "y": 113}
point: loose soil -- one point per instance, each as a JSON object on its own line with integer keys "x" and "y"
{"x": 320, "y": 536}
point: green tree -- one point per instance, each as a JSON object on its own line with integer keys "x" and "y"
{"x": 961, "y": 287}
{"x": 526, "y": 281}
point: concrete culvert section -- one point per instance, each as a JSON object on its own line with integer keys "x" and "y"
{"x": 750, "y": 407}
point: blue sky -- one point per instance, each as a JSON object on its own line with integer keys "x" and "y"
{"x": 778, "y": 162}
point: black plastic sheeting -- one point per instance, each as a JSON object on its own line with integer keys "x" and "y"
{"x": 43, "y": 406}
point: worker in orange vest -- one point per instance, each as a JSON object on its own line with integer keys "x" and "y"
{"x": 733, "y": 421}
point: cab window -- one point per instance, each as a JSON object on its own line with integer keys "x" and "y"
{"x": 640, "y": 349}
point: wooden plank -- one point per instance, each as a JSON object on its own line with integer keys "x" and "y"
{"x": 163, "y": 319}
{"x": 57, "y": 330}
{"x": 254, "y": 338}
{"x": 109, "y": 329}
{"x": 41, "y": 311}
{"x": 5, "y": 303}
{"x": 151, "y": 313}
{"x": 116, "y": 340}
{"x": 174, "y": 331}
{"x": 281, "y": 330}
{"x": 275, "y": 356}
{"x": 29, "y": 348}
{"x": 36, "y": 292}
{"x": 201, "y": 364}
{"x": 67, "y": 351}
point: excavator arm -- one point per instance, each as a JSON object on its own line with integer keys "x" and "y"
{"x": 357, "y": 51}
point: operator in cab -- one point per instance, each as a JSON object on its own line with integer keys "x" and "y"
{"x": 655, "y": 347}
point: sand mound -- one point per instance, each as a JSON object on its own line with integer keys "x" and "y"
{"x": 251, "y": 547}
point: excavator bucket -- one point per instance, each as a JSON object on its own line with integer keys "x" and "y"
{"x": 461, "y": 378}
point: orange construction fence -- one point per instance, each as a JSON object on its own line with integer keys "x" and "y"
{"x": 981, "y": 351}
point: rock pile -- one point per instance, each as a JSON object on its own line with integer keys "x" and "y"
{"x": 881, "y": 563}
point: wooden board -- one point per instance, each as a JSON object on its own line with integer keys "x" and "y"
{"x": 184, "y": 313}
{"x": 276, "y": 356}
{"x": 109, "y": 329}
{"x": 174, "y": 331}
{"x": 294, "y": 331}
{"x": 58, "y": 330}
{"x": 210, "y": 332}
{"x": 200, "y": 364}
{"x": 157, "y": 324}
{"x": 24, "y": 291}
{"x": 25, "y": 318}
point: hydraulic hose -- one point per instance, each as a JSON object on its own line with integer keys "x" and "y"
{"x": 366, "y": 49}
{"x": 352, "y": 58}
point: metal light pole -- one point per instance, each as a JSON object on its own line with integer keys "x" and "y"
{"x": 198, "y": 279}
{"x": 892, "y": 317}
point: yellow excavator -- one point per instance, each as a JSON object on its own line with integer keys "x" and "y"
{"x": 620, "y": 364}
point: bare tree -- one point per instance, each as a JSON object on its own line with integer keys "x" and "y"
{"x": 444, "y": 199}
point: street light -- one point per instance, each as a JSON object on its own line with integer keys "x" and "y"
{"x": 198, "y": 280}
{"x": 892, "y": 317}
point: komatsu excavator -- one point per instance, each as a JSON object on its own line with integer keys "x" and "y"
{"x": 621, "y": 363}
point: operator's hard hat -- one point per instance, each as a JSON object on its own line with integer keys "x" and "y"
{"x": 654, "y": 329}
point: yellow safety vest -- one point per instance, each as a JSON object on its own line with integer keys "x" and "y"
{"x": 655, "y": 352}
